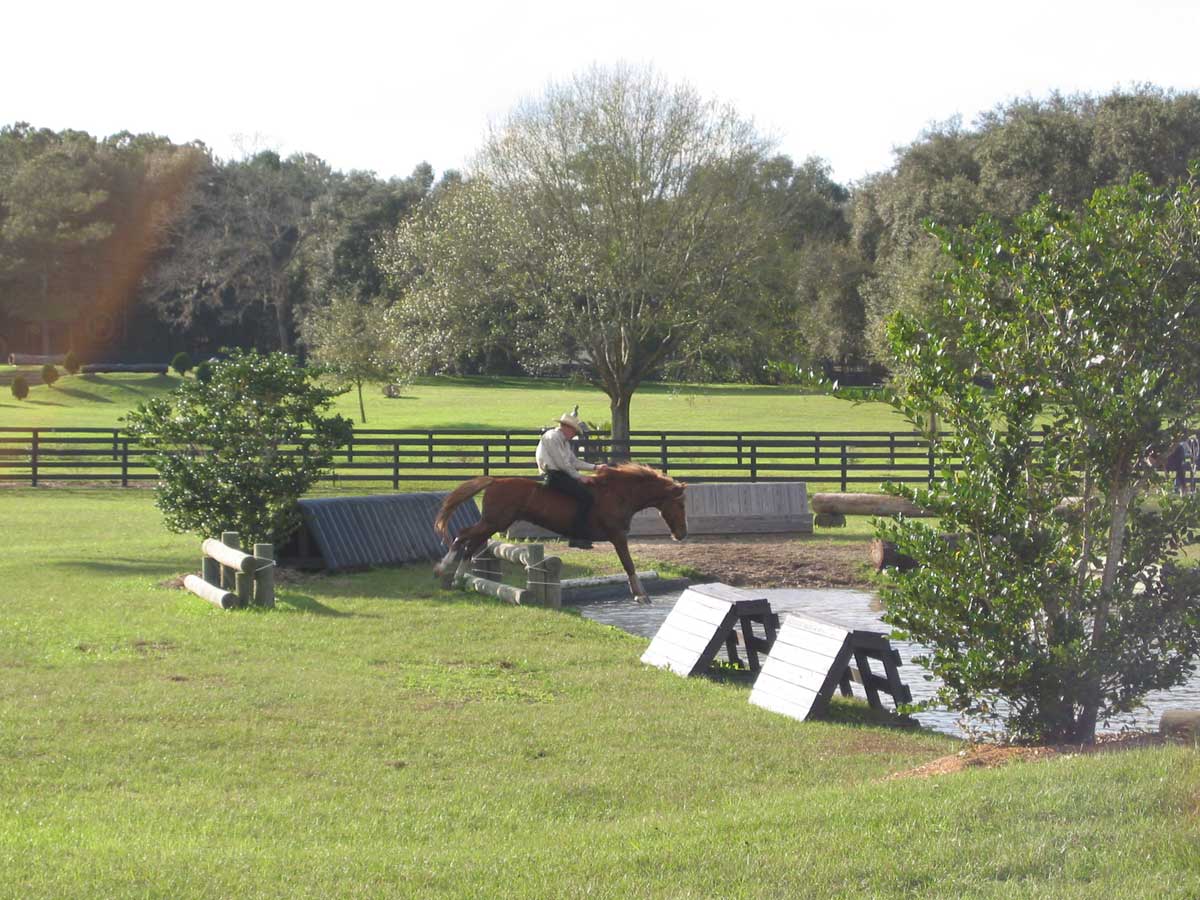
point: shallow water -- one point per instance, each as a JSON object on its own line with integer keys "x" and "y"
{"x": 858, "y": 609}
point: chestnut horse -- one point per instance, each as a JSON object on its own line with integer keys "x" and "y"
{"x": 620, "y": 491}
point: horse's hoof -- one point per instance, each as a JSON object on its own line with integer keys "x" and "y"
{"x": 642, "y": 599}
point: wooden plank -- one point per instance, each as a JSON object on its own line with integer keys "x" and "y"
{"x": 816, "y": 626}
{"x": 694, "y": 643}
{"x": 700, "y": 611}
{"x": 815, "y": 643}
{"x": 795, "y": 703}
{"x": 803, "y": 656}
{"x": 723, "y": 592}
{"x": 795, "y": 677}
{"x": 664, "y": 649}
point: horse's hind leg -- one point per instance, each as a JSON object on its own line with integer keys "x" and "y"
{"x": 468, "y": 542}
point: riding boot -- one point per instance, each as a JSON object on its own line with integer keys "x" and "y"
{"x": 579, "y": 531}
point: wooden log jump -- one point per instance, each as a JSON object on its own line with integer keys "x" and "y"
{"x": 543, "y": 574}
{"x": 832, "y": 509}
{"x": 230, "y": 578}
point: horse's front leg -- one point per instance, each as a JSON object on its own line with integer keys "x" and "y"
{"x": 621, "y": 542}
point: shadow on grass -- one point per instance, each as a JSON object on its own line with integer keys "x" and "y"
{"x": 114, "y": 566}
{"x": 139, "y": 387}
{"x": 304, "y": 603}
{"x": 44, "y": 403}
{"x": 83, "y": 395}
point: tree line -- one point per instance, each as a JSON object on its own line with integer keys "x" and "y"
{"x": 619, "y": 225}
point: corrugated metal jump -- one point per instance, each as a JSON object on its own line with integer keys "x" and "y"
{"x": 380, "y": 530}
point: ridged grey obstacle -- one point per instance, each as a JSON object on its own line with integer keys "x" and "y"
{"x": 543, "y": 574}
{"x": 230, "y": 578}
{"x": 345, "y": 533}
{"x": 764, "y": 507}
{"x": 811, "y": 658}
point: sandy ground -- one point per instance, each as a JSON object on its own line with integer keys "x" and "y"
{"x": 763, "y": 560}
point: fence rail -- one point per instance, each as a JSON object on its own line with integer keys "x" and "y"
{"x": 843, "y": 458}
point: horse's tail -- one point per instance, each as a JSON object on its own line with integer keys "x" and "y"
{"x": 454, "y": 500}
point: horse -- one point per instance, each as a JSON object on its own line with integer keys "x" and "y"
{"x": 621, "y": 490}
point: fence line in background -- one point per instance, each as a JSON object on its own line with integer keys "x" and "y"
{"x": 395, "y": 457}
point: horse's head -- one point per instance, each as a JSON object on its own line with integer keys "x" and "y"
{"x": 634, "y": 487}
{"x": 673, "y": 511}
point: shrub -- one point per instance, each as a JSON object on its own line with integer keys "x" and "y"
{"x": 182, "y": 363}
{"x": 49, "y": 373}
{"x": 235, "y": 452}
{"x": 1050, "y": 622}
{"x": 71, "y": 363}
{"x": 20, "y": 387}
{"x": 204, "y": 372}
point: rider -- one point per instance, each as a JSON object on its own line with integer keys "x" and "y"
{"x": 558, "y": 463}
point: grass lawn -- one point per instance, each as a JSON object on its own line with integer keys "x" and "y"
{"x": 101, "y": 400}
{"x": 374, "y": 737}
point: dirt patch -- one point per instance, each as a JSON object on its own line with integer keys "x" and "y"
{"x": 990, "y": 756}
{"x": 763, "y": 560}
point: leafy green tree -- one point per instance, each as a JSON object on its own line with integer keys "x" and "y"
{"x": 71, "y": 363}
{"x": 49, "y": 374}
{"x": 235, "y": 254}
{"x": 352, "y": 341}
{"x": 621, "y": 221}
{"x": 1067, "y": 145}
{"x": 181, "y": 363}
{"x": 1062, "y": 597}
{"x": 20, "y": 387}
{"x": 235, "y": 452}
{"x": 81, "y": 218}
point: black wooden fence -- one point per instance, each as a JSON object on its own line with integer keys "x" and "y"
{"x": 840, "y": 459}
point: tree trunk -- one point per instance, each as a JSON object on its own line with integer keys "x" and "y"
{"x": 362, "y": 410}
{"x": 619, "y": 407}
{"x": 1089, "y": 711}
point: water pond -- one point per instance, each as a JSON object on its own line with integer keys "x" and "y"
{"x": 858, "y": 609}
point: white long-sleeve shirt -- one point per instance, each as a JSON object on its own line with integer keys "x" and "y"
{"x": 554, "y": 453}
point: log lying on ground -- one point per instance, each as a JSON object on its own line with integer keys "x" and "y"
{"x": 864, "y": 505}
{"x": 885, "y": 555}
{"x": 1180, "y": 724}
{"x": 217, "y": 596}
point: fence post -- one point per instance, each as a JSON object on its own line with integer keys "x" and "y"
{"x": 125, "y": 463}
{"x": 264, "y": 578}
{"x": 845, "y": 463}
{"x": 754, "y": 462}
{"x": 816, "y": 449}
{"x": 486, "y": 458}
{"x": 931, "y": 462}
{"x": 234, "y": 540}
{"x": 116, "y": 435}
{"x": 395, "y": 465}
{"x": 739, "y": 451}
{"x": 33, "y": 460}
{"x": 663, "y": 452}
{"x": 892, "y": 449}
{"x": 508, "y": 448}
{"x": 350, "y": 449}
{"x": 431, "y": 448}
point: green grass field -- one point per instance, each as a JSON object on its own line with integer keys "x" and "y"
{"x": 373, "y": 737}
{"x": 101, "y": 400}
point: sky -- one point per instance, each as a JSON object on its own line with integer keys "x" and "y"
{"x": 385, "y": 86}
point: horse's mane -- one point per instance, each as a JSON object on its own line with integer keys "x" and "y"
{"x": 630, "y": 471}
